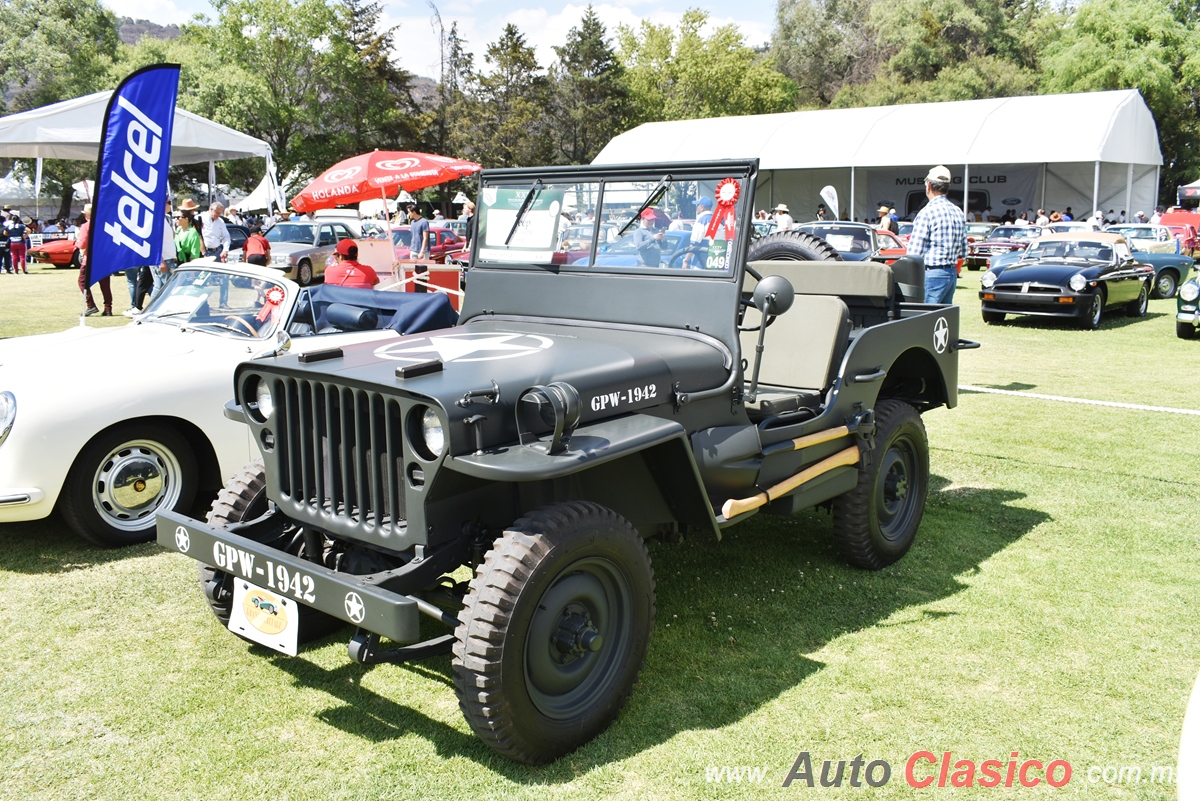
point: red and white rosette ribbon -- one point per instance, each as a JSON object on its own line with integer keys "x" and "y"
{"x": 272, "y": 301}
{"x": 727, "y": 194}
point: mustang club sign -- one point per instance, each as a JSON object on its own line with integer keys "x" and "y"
{"x": 131, "y": 179}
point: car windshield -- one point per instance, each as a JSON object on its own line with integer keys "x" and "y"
{"x": 843, "y": 238}
{"x": 1016, "y": 232}
{"x": 298, "y": 233}
{"x": 1069, "y": 249}
{"x": 906, "y": 229}
{"x": 220, "y": 302}
{"x": 976, "y": 229}
{"x": 556, "y": 223}
{"x": 1132, "y": 231}
{"x": 401, "y": 237}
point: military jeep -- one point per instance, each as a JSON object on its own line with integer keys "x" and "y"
{"x": 585, "y": 402}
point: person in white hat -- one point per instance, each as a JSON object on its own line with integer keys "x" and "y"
{"x": 885, "y": 220}
{"x": 783, "y": 218}
{"x": 939, "y": 236}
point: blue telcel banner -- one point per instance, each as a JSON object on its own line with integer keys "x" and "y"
{"x": 129, "y": 208}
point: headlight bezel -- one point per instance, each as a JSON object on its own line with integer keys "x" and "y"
{"x": 427, "y": 432}
{"x": 8, "y": 414}
{"x": 988, "y": 280}
{"x": 1077, "y": 282}
{"x": 1188, "y": 293}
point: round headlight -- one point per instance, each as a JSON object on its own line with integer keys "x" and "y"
{"x": 8, "y": 413}
{"x": 262, "y": 397}
{"x": 988, "y": 280}
{"x": 1077, "y": 282}
{"x": 432, "y": 433}
{"x": 1190, "y": 291}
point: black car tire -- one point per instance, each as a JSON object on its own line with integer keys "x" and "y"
{"x": 993, "y": 318}
{"x": 875, "y": 523}
{"x": 1094, "y": 313}
{"x": 1138, "y": 306}
{"x": 75, "y": 263}
{"x": 304, "y": 273}
{"x": 1166, "y": 283}
{"x": 554, "y": 629}
{"x": 1185, "y": 330}
{"x": 245, "y": 498}
{"x": 792, "y": 246}
{"x": 146, "y": 455}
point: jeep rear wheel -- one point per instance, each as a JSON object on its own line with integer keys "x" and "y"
{"x": 792, "y": 246}
{"x": 245, "y": 498}
{"x": 875, "y": 523}
{"x": 554, "y": 630}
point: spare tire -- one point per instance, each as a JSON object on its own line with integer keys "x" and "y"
{"x": 792, "y": 246}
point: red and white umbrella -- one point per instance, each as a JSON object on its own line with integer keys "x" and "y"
{"x": 379, "y": 174}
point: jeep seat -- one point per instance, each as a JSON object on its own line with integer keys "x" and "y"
{"x": 873, "y": 291}
{"x": 802, "y": 352}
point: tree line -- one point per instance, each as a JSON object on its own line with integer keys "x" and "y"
{"x": 320, "y": 81}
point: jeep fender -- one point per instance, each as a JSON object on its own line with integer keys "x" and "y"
{"x": 640, "y": 466}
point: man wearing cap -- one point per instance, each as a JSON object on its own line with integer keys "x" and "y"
{"x": 939, "y": 236}
{"x": 885, "y": 220}
{"x": 346, "y": 270}
{"x": 648, "y": 242}
{"x": 783, "y": 218}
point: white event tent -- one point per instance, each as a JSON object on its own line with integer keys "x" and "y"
{"x": 1086, "y": 151}
{"x": 71, "y": 130}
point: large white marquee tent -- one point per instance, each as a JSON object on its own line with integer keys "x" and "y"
{"x": 1086, "y": 151}
{"x": 71, "y": 130}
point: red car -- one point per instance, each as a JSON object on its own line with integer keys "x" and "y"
{"x": 1004, "y": 239}
{"x": 1186, "y": 235}
{"x": 444, "y": 242}
{"x": 57, "y": 252}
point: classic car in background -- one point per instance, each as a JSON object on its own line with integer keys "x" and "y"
{"x": 977, "y": 230}
{"x": 1186, "y": 236}
{"x": 1187, "y": 310}
{"x": 300, "y": 249}
{"x": 442, "y": 242}
{"x": 905, "y": 231}
{"x": 1147, "y": 238}
{"x": 1003, "y": 239}
{"x": 857, "y": 241}
{"x": 153, "y": 438}
{"x": 1076, "y": 275}
{"x": 1169, "y": 269}
{"x": 60, "y": 251}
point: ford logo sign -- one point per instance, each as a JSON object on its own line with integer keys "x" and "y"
{"x": 1011, "y": 201}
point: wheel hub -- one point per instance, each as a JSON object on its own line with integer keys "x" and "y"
{"x": 133, "y": 481}
{"x": 576, "y": 635}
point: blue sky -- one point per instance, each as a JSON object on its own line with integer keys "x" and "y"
{"x": 481, "y": 21}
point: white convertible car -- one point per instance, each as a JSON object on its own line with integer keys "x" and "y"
{"x": 109, "y": 425}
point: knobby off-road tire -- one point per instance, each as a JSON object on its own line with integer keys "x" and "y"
{"x": 875, "y": 523}
{"x": 245, "y": 498}
{"x": 1138, "y": 306}
{"x": 792, "y": 246}
{"x": 123, "y": 477}
{"x": 554, "y": 630}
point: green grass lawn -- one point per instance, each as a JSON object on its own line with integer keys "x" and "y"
{"x": 1048, "y": 607}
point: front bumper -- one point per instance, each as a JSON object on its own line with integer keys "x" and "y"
{"x": 1039, "y": 304}
{"x": 347, "y": 597}
{"x": 976, "y": 262}
{"x": 1189, "y": 313}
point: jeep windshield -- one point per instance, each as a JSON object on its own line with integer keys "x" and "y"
{"x": 614, "y": 226}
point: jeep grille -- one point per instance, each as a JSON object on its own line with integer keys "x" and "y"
{"x": 340, "y": 453}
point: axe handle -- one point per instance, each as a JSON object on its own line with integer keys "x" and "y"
{"x": 732, "y": 508}
{"x": 819, "y": 437}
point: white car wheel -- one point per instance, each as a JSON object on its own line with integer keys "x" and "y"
{"x": 123, "y": 477}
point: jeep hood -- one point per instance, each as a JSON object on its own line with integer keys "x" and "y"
{"x": 615, "y": 369}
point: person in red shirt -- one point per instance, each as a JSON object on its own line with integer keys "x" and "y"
{"x": 81, "y": 239}
{"x": 346, "y": 271}
{"x": 257, "y": 249}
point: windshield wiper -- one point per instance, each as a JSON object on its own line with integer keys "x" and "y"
{"x": 533, "y": 192}
{"x": 655, "y": 194}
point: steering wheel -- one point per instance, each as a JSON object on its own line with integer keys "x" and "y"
{"x": 245, "y": 325}
{"x": 676, "y": 261}
{"x": 749, "y": 304}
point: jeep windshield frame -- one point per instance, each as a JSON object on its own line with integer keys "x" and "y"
{"x": 531, "y": 219}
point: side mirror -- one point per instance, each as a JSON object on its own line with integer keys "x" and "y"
{"x": 774, "y": 295}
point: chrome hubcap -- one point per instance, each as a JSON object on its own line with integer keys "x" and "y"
{"x": 133, "y": 482}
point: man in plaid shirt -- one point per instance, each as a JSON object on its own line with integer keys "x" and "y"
{"x": 939, "y": 236}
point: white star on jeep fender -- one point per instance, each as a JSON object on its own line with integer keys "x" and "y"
{"x": 457, "y": 347}
{"x": 941, "y": 335}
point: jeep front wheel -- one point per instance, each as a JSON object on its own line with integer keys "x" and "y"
{"x": 875, "y": 523}
{"x": 554, "y": 630}
{"x": 245, "y": 498}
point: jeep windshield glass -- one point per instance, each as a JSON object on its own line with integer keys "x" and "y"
{"x": 613, "y": 226}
